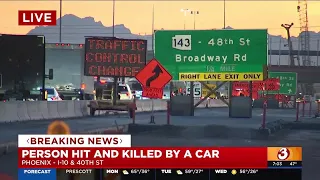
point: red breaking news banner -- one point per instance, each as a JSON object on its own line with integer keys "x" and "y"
{"x": 146, "y": 157}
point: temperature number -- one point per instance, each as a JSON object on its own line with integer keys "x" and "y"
{"x": 248, "y": 171}
{"x": 193, "y": 171}
{"x": 139, "y": 171}
{"x": 293, "y": 163}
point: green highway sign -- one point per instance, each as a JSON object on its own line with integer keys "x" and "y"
{"x": 196, "y": 53}
{"x": 288, "y": 82}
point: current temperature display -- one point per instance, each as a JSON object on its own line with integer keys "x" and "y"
{"x": 210, "y": 174}
{"x": 193, "y": 171}
{"x": 140, "y": 171}
{"x": 176, "y": 174}
{"x": 127, "y": 174}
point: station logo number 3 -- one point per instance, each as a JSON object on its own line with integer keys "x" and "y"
{"x": 283, "y": 154}
{"x": 181, "y": 42}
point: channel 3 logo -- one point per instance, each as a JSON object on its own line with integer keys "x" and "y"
{"x": 283, "y": 154}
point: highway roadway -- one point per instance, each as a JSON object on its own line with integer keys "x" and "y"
{"x": 9, "y": 131}
{"x": 309, "y": 140}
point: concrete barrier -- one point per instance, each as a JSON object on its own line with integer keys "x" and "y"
{"x": 53, "y": 110}
{"x": 77, "y": 109}
{"x": 37, "y": 110}
{"x": 43, "y": 107}
{"x": 63, "y": 109}
{"x": 33, "y": 109}
{"x": 22, "y": 110}
{"x": 71, "y": 110}
{"x": 308, "y": 109}
{"x": 10, "y": 111}
{"x": 84, "y": 108}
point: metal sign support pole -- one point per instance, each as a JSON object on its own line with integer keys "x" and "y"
{"x": 192, "y": 97}
{"x": 152, "y": 113}
{"x": 0, "y": 80}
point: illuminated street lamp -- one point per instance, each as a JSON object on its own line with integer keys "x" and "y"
{"x": 194, "y": 17}
{"x": 185, "y": 12}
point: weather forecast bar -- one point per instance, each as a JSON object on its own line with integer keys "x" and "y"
{"x": 162, "y": 174}
{"x": 211, "y": 174}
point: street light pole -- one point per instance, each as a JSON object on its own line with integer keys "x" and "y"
{"x": 194, "y": 18}
{"x": 113, "y": 15}
{"x": 224, "y": 14}
{"x": 152, "y": 31}
{"x": 115, "y": 79}
{"x": 60, "y": 21}
{"x": 185, "y": 11}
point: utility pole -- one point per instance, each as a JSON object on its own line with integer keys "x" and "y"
{"x": 287, "y": 28}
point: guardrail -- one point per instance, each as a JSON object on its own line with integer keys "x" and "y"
{"x": 12, "y": 111}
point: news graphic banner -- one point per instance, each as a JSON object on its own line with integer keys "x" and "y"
{"x": 40, "y": 156}
{"x": 114, "y": 57}
{"x": 37, "y": 17}
{"x": 213, "y": 55}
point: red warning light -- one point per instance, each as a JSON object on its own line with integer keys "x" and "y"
{"x": 83, "y": 86}
{"x": 81, "y": 45}
{"x": 57, "y": 44}
{"x": 62, "y": 44}
{"x": 68, "y": 44}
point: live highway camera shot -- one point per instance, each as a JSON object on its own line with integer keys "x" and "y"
{"x": 168, "y": 90}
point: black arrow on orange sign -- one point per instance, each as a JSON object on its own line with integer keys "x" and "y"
{"x": 157, "y": 71}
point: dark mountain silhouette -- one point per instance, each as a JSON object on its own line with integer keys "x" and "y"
{"x": 74, "y": 29}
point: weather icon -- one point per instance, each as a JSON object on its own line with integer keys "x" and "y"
{"x": 179, "y": 172}
{"x": 125, "y": 172}
{"x": 234, "y": 172}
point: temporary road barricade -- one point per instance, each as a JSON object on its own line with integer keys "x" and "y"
{"x": 12, "y": 111}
